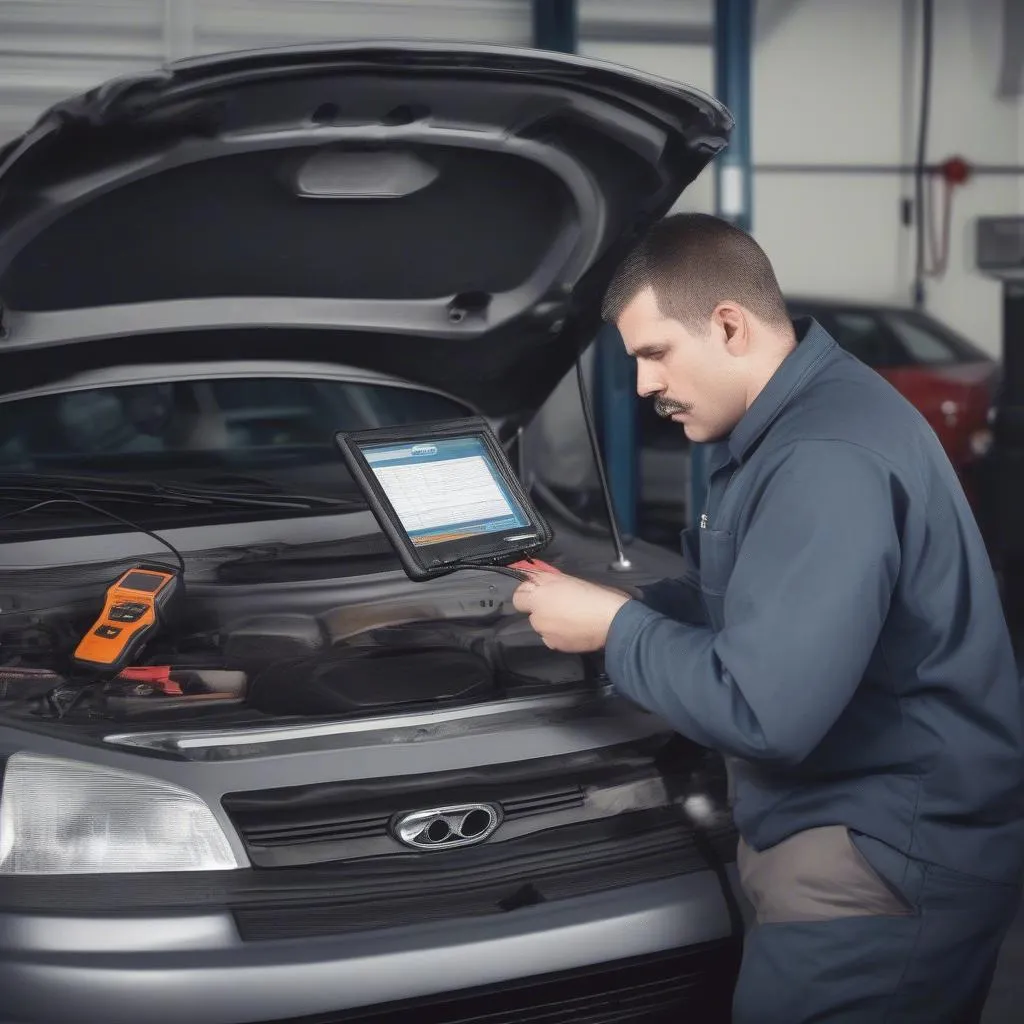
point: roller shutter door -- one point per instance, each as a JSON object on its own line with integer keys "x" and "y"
{"x": 50, "y": 49}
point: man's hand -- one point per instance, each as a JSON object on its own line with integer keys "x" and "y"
{"x": 569, "y": 614}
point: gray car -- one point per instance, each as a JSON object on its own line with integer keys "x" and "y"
{"x": 322, "y": 792}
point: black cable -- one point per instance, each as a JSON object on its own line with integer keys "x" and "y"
{"x": 927, "y": 33}
{"x": 676, "y": 780}
{"x": 76, "y": 699}
{"x": 606, "y": 494}
{"x": 706, "y": 848}
{"x": 70, "y": 499}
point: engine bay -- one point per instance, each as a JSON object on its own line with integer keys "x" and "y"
{"x": 238, "y": 654}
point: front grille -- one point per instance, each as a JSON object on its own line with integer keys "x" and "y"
{"x": 543, "y": 803}
{"x": 350, "y": 821}
{"x": 694, "y": 984}
{"x": 475, "y": 882}
{"x": 346, "y": 828}
{"x": 338, "y": 830}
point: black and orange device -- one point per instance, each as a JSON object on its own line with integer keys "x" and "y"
{"x": 136, "y": 607}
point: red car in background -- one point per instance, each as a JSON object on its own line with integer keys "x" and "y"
{"x": 948, "y": 379}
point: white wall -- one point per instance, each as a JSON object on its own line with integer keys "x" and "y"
{"x": 837, "y": 82}
{"x": 969, "y": 119}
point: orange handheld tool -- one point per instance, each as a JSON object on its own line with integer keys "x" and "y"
{"x": 136, "y": 607}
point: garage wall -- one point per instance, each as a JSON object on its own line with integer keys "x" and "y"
{"x": 861, "y": 62}
{"x": 241, "y": 24}
{"x": 50, "y": 49}
{"x": 837, "y": 83}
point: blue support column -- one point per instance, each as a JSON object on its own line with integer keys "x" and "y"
{"x": 615, "y": 387}
{"x": 734, "y": 34}
{"x": 555, "y": 27}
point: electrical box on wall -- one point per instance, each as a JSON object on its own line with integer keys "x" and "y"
{"x": 1000, "y": 245}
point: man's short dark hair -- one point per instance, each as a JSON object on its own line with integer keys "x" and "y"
{"x": 693, "y": 262}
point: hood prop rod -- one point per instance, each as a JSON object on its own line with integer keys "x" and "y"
{"x": 621, "y": 563}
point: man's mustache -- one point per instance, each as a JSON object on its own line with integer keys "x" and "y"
{"x": 666, "y": 407}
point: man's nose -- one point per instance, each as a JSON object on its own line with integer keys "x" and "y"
{"x": 647, "y": 383}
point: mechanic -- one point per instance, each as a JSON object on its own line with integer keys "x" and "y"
{"x": 839, "y": 638}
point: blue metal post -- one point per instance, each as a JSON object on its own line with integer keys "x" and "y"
{"x": 555, "y": 25}
{"x": 734, "y": 32}
{"x": 615, "y": 386}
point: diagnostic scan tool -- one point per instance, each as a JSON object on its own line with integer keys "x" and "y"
{"x": 447, "y": 498}
{"x": 136, "y": 607}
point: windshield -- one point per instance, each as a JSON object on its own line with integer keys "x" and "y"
{"x": 272, "y": 434}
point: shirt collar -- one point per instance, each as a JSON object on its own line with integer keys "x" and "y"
{"x": 814, "y": 345}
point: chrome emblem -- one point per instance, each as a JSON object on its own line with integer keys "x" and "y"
{"x": 445, "y": 828}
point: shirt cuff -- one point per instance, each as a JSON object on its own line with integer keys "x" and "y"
{"x": 622, "y": 634}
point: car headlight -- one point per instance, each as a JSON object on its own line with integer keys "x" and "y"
{"x": 61, "y": 817}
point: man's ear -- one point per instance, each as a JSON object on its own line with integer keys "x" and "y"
{"x": 732, "y": 320}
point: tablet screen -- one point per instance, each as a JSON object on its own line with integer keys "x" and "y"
{"x": 445, "y": 495}
{"x": 445, "y": 490}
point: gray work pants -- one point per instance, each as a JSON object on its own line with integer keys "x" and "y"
{"x": 850, "y": 931}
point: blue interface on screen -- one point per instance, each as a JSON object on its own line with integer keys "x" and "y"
{"x": 444, "y": 490}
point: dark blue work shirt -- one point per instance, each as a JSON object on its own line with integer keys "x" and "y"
{"x": 840, "y": 634}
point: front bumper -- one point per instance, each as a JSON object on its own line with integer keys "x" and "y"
{"x": 195, "y": 968}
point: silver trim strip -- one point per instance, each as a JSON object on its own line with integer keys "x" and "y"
{"x": 199, "y": 739}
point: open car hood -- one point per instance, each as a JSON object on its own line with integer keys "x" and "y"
{"x": 446, "y": 214}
